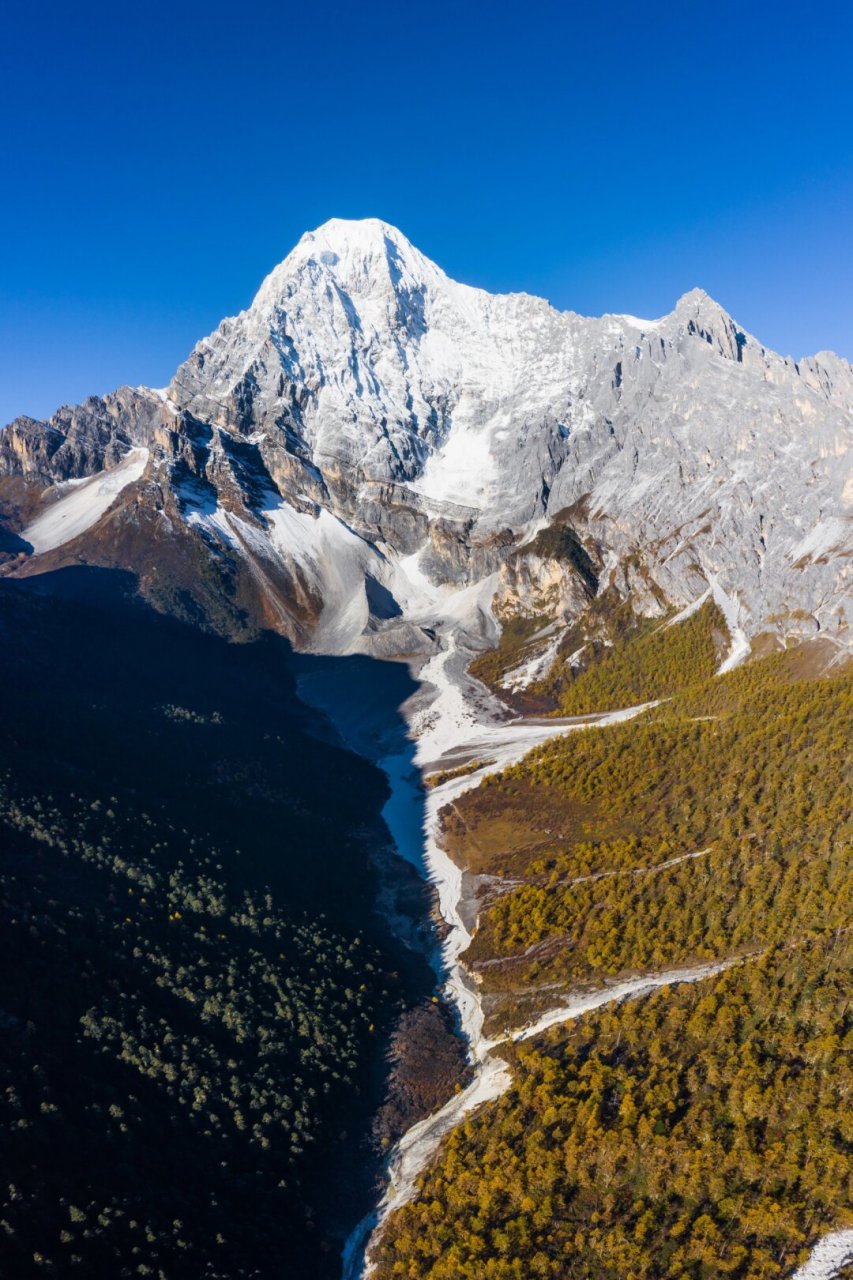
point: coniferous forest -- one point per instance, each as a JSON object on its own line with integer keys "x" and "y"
{"x": 702, "y": 1130}
{"x": 196, "y": 993}
{"x": 426, "y": 642}
{"x": 194, "y": 1027}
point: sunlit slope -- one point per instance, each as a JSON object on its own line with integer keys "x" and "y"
{"x": 701, "y": 1131}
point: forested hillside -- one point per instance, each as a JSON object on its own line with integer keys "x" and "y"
{"x": 701, "y": 1131}
{"x": 626, "y": 660}
{"x": 724, "y": 834}
{"x": 608, "y": 658}
{"x": 195, "y": 991}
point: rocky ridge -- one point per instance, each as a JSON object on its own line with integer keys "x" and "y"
{"x": 370, "y": 436}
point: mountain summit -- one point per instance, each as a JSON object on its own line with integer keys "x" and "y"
{"x": 370, "y": 423}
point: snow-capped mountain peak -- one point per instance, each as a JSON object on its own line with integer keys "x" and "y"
{"x": 427, "y": 417}
{"x": 363, "y": 256}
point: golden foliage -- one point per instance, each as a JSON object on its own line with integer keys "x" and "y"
{"x": 703, "y": 1131}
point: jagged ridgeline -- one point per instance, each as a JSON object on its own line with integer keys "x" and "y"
{"x": 194, "y": 988}
{"x": 703, "y": 1130}
{"x": 369, "y": 432}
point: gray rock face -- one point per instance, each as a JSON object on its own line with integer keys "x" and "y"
{"x": 81, "y": 440}
{"x": 418, "y": 415}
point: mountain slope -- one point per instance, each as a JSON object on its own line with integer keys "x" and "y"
{"x": 375, "y": 458}
{"x": 196, "y": 989}
{"x": 366, "y": 409}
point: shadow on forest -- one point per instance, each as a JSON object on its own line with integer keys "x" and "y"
{"x": 362, "y": 697}
{"x": 104, "y": 698}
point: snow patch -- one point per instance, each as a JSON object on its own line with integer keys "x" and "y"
{"x": 636, "y": 322}
{"x": 82, "y": 507}
{"x": 827, "y": 1257}
{"x": 730, "y": 609}
{"x": 828, "y": 537}
{"x": 462, "y": 471}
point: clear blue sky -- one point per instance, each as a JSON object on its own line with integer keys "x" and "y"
{"x": 159, "y": 159}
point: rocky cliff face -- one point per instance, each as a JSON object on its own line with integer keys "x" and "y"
{"x": 370, "y": 435}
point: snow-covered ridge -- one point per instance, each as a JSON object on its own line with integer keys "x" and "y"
{"x": 427, "y": 416}
{"x": 683, "y": 433}
{"x": 396, "y": 437}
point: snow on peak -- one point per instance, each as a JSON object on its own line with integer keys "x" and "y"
{"x": 365, "y": 363}
{"x": 391, "y": 358}
{"x": 343, "y": 242}
{"x": 363, "y": 255}
{"x": 693, "y": 298}
{"x": 696, "y": 304}
{"x": 338, "y": 234}
{"x": 636, "y": 322}
{"x": 364, "y": 380}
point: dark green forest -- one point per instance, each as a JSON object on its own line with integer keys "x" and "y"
{"x": 195, "y": 993}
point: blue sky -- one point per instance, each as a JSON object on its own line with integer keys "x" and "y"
{"x": 158, "y": 160}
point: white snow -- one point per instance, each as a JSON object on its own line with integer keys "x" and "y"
{"x": 730, "y": 609}
{"x": 82, "y": 507}
{"x": 215, "y": 519}
{"x": 636, "y": 322}
{"x": 833, "y": 536}
{"x": 827, "y": 1257}
{"x": 419, "y": 592}
{"x": 718, "y": 451}
{"x": 462, "y": 471}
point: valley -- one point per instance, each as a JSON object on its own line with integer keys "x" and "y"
{"x": 426, "y": 796}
